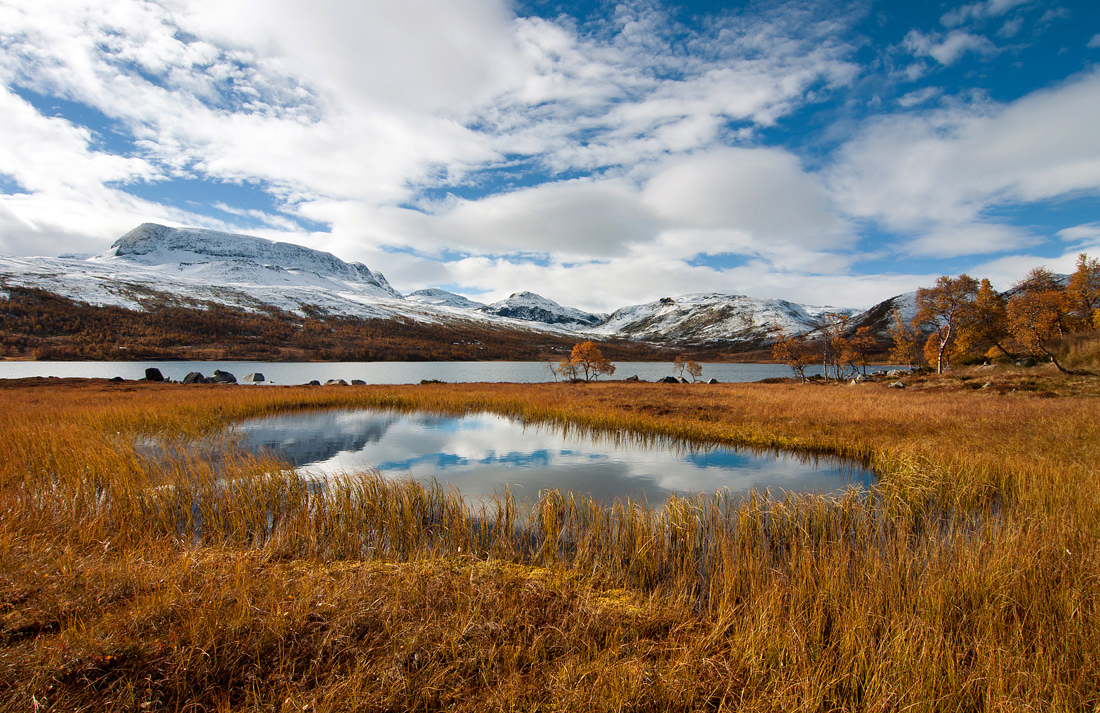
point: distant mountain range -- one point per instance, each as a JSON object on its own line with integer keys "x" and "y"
{"x": 153, "y": 265}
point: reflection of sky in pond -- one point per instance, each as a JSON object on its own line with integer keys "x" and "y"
{"x": 481, "y": 453}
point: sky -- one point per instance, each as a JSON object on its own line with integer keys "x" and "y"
{"x": 598, "y": 153}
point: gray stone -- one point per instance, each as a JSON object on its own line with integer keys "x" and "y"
{"x": 314, "y": 382}
{"x": 895, "y": 373}
{"x": 194, "y": 377}
{"x": 224, "y": 377}
{"x": 669, "y": 380}
{"x": 896, "y": 385}
{"x": 336, "y": 382}
{"x": 632, "y": 378}
{"x": 358, "y": 382}
{"x": 253, "y": 378}
{"x": 153, "y": 374}
{"x": 714, "y": 381}
{"x": 684, "y": 381}
{"x": 116, "y": 379}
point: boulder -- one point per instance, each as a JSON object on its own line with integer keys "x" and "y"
{"x": 253, "y": 378}
{"x": 632, "y": 378}
{"x": 684, "y": 381}
{"x": 896, "y": 385}
{"x": 116, "y": 379}
{"x": 314, "y": 382}
{"x": 153, "y": 374}
{"x": 669, "y": 380}
{"x": 895, "y": 373}
{"x": 336, "y": 382}
{"x": 714, "y": 381}
{"x": 358, "y": 382}
{"x": 195, "y": 377}
{"x": 224, "y": 377}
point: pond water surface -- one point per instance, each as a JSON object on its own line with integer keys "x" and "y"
{"x": 481, "y": 454}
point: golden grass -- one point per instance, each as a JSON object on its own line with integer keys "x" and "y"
{"x": 970, "y": 580}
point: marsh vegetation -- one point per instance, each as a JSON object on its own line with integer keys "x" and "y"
{"x": 968, "y": 580}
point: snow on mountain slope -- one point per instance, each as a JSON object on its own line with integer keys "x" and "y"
{"x": 230, "y": 259}
{"x": 188, "y": 266}
{"x": 713, "y": 317}
{"x": 153, "y": 265}
{"x": 442, "y": 298}
{"x": 529, "y": 307}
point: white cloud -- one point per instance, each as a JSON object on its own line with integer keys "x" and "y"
{"x": 975, "y": 238}
{"x": 919, "y": 96}
{"x": 947, "y": 49}
{"x": 1084, "y": 235}
{"x": 762, "y": 192}
{"x": 1094, "y": 42}
{"x": 936, "y": 173}
{"x": 979, "y": 10}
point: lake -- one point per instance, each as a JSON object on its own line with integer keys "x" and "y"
{"x": 376, "y": 372}
{"x": 482, "y": 453}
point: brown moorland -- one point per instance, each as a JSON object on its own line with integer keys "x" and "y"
{"x": 189, "y": 577}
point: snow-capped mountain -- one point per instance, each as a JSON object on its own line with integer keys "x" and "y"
{"x": 154, "y": 265}
{"x": 442, "y": 298}
{"x": 714, "y": 317}
{"x": 880, "y": 318}
{"x": 529, "y": 307}
{"x": 230, "y": 259}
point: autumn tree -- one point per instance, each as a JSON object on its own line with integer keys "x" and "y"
{"x": 946, "y": 308}
{"x": 691, "y": 366}
{"x": 587, "y": 358}
{"x": 907, "y": 346}
{"x": 1083, "y": 292}
{"x": 833, "y": 344}
{"x": 987, "y": 325}
{"x": 859, "y": 349}
{"x": 1037, "y": 313}
{"x": 795, "y": 352}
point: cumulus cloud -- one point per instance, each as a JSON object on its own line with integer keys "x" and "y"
{"x": 936, "y": 174}
{"x": 764, "y": 193}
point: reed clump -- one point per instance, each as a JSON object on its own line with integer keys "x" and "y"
{"x": 147, "y": 564}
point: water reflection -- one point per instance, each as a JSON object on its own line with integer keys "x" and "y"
{"x": 482, "y": 453}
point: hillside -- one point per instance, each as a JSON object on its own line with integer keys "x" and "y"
{"x": 156, "y": 274}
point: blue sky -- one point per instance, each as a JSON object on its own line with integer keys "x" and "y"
{"x": 599, "y": 153}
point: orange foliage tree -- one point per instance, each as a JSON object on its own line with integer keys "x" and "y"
{"x": 586, "y": 358}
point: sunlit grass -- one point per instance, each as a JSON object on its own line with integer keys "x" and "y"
{"x": 169, "y": 579}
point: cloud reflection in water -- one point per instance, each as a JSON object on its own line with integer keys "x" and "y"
{"x": 481, "y": 453}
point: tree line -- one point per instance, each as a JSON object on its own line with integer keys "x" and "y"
{"x": 963, "y": 318}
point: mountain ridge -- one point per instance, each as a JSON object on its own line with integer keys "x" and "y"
{"x": 194, "y": 266}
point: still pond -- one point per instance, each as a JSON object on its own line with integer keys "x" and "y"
{"x": 481, "y": 454}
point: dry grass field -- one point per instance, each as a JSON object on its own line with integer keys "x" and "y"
{"x": 194, "y": 578}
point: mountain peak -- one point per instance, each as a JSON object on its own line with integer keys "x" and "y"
{"x": 244, "y": 257}
{"x": 531, "y": 307}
